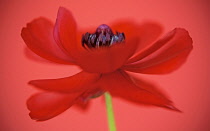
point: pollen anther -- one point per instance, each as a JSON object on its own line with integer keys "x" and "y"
{"x": 102, "y": 37}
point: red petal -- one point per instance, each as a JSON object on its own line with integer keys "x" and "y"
{"x": 44, "y": 106}
{"x": 65, "y": 31}
{"x": 38, "y": 36}
{"x": 106, "y": 59}
{"x": 120, "y": 84}
{"x": 164, "y": 56}
{"x": 76, "y": 83}
{"x": 147, "y": 32}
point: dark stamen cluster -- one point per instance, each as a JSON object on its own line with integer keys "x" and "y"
{"x": 102, "y": 37}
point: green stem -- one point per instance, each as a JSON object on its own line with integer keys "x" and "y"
{"x": 110, "y": 113}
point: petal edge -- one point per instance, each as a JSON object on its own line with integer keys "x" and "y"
{"x": 121, "y": 85}
{"x": 171, "y": 54}
{"x": 76, "y": 83}
{"x": 38, "y": 36}
{"x": 46, "y": 105}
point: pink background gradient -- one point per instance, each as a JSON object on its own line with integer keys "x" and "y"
{"x": 188, "y": 87}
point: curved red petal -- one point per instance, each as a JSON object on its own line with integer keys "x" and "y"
{"x": 38, "y": 36}
{"x": 46, "y": 105}
{"x": 147, "y": 31}
{"x": 76, "y": 83}
{"x": 152, "y": 48}
{"x": 120, "y": 84}
{"x": 165, "y": 56}
{"x": 65, "y": 30}
{"x": 106, "y": 59}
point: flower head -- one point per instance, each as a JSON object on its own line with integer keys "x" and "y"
{"x": 104, "y": 56}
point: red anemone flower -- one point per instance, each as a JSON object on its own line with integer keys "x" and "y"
{"x": 104, "y": 57}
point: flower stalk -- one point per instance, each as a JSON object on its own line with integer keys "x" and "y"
{"x": 110, "y": 112}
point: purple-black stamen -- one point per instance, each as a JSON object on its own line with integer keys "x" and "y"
{"x": 102, "y": 37}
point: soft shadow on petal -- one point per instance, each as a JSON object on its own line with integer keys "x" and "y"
{"x": 165, "y": 56}
{"x": 65, "y": 30}
{"x": 76, "y": 83}
{"x": 82, "y": 105}
{"x": 147, "y": 31}
{"x": 106, "y": 59}
{"x": 128, "y": 27}
{"x": 38, "y": 36}
{"x": 34, "y": 57}
{"x": 46, "y": 105}
{"x": 120, "y": 84}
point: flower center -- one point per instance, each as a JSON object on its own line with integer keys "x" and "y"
{"x": 102, "y": 37}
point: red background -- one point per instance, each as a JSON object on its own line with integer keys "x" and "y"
{"x": 189, "y": 86}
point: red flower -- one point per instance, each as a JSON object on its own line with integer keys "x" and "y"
{"x": 104, "y": 58}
